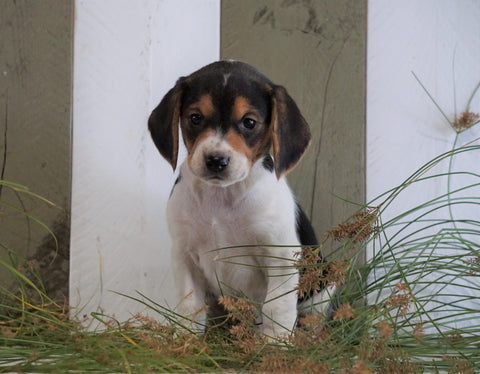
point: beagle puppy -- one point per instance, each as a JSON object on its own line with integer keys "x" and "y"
{"x": 234, "y": 222}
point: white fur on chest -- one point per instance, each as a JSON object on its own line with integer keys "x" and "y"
{"x": 204, "y": 219}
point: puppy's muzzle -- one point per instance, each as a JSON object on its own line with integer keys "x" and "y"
{"x": 216, "y": 163}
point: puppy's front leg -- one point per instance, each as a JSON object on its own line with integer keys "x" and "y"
{"x": 280, "y": 309}
{"x": 190, "y": 294}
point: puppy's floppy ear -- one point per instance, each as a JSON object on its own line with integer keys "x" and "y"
{"x": 164, "y": 122}
{"x": 289, "y": 130}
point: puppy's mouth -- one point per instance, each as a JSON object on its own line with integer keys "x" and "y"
{"x": 223, "y": 179}
{"x": 214, "y": 178}
{"x": 218, "y": 180}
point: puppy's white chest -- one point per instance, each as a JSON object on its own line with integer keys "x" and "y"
{"x": 209, "y": 221}
{"x": 211, "y": 234}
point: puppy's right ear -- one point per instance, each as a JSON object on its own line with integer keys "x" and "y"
{"x": 164, "y": 122}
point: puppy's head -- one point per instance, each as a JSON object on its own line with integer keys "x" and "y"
{"x": 230, "y": 116}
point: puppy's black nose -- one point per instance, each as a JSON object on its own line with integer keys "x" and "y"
{"x": 216, "y": 163}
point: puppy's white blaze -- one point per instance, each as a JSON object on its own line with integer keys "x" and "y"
{"x": 238, "y": 166}
{"x": 225, "y": 79}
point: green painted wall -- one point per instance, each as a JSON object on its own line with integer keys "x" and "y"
{"x": 317, "y": 50}
{"x": 36, "y": 44}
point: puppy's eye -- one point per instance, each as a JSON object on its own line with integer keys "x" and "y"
{"x": 249, "y": 123}
{"x": 196, "y": 119}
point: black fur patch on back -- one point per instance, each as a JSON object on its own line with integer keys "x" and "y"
{"x": 306, "y": 234}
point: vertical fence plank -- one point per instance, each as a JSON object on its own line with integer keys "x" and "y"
{"x": 35, "y": 133}
{"x": 317, "y": 50}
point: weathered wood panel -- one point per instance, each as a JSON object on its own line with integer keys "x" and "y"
{"x": 35, "y": 132}
{"x": 317, "y": 50}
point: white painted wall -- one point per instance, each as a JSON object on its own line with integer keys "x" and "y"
{"x": 439, "y": 40}
{"x": 127, "y": 55}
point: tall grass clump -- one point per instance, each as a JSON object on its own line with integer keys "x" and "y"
{"x": 418, "y": 294}
{"x": 412, "y": 307}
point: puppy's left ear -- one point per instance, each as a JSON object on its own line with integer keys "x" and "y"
{"x": 164, "y": 123}
{"x": 289, "y": 130}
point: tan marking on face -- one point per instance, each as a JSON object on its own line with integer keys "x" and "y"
{"x": 241, "y": 107}
{"x": 192, "y": 147}
{"x": 205, "y": 105}
{"x": 237, "y": 143}
{"x": 263, "y": 146}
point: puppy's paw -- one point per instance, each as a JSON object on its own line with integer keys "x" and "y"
{"x": 279, "y": 336}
